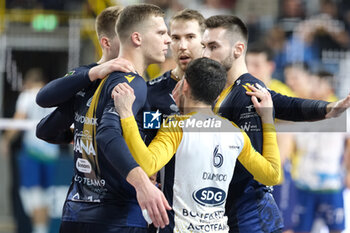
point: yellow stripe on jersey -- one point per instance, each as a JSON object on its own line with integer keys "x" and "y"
{"x": 266, "y": 169}
{"x": 89, "y": 130}
{"x": 221, "y": 98}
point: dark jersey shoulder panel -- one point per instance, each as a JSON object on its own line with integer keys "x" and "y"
{"x": 62, "y": 89}
{"x": 159, "y": 94}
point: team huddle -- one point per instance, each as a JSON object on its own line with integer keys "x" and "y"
{"x": 212, "y": 180}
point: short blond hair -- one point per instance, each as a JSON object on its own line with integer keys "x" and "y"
{"x": 188, "y": 15}
{"x": 106, "y": 20}
{"x": 133, "y": 16}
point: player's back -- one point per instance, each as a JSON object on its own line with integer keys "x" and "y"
{"x": 198, "y": 184}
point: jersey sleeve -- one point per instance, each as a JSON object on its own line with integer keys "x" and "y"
{"x": 55, "y": 127}
{"x": 160, "y": 150}
{"x": 62, "y": 89}
{"x": 297, "y": 109}
{"x": 266, "y": 169}
{"x": 109, "y": 133}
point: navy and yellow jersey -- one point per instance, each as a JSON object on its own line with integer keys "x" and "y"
{"x": 102, "y": 160}
{"x": 159, "y": 94}
{"x": 204, "y": 164}
{"x": 63, "y": 89}
{"x": 99, "y": 192}
{"x": 235, "y": 105}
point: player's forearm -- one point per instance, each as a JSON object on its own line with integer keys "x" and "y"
{"x": 297, "y": 109}
{"x": 55, "y": 127}
{"x": 266, "y": 168}
{"x": 271, "y": 153}
{"x": 62, "y": 89}
{"x": 137, "y": 178}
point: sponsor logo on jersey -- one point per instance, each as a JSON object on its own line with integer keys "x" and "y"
{"x": 70, "y": 73}
{"x": 83, "y": 165}
{"x": 250, "y": 108}
{"x": 81, "y": 93}
{"x": 129, "y": 77}
{"x": 249, "y": 127}
{"x": 151, "y": 120}
{"x": 83, "y": 142}
{"x": 214, "y": 176}
{"x": 209, "y": 196}
{"x": 156, "y": 80}
{"x": 89, "y": 181}
{"x": 85, "y": 120}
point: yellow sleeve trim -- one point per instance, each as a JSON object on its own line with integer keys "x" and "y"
{"x": 266, "y": 169}
{"x": 158, "y": 153}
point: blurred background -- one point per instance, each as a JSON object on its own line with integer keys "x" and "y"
{"x": 47, "y": 38}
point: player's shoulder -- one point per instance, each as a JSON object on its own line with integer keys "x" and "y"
{"x": 122, "y": 76}
{"x": 247, "y": 79}
{"x": 162, "y": 80}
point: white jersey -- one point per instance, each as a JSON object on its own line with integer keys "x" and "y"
{"x": 26, "y": 104}
{"x": 206, "y": 161}
{"x": 318, "y": 165}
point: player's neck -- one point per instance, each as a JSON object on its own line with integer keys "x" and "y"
{"x": 238, "y": 68}
{"x": 191, "y": 105}
{"x": 135, "y": 58}
{"x": 103, "y": 60}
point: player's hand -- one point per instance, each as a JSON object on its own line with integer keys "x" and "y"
{"x": 262, "y": 101}
{"x": 151, "y": 200}
{"x": 153, "y": 203}
{"x": 335, "y": 109}
{"x": 124, "y": 97}
{"x": 116, "y": 64}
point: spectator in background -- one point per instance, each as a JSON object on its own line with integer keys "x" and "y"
{"x": 298, "y": 79}
{"x": 260, "y": 64}
{"x": 37, "y": 158}
{"x": 318, "y": 172}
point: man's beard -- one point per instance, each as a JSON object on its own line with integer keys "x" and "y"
{"x": 227, "y": 62}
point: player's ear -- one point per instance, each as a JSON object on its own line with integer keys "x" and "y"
{"x": 136, "y": 38}
{"x": 238, "y": 49}
{"x": 105, "y": 43}
{"x": 186, "y": 88}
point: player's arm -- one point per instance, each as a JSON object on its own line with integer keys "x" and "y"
{"x": 297, "y": 109}
{"x": 112, "y": 144}
{"x": 55, "y": 127}
{"x": 266, "y": 168}
{"x": 162, "y": 147}
{"x": 62, "y": 89}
